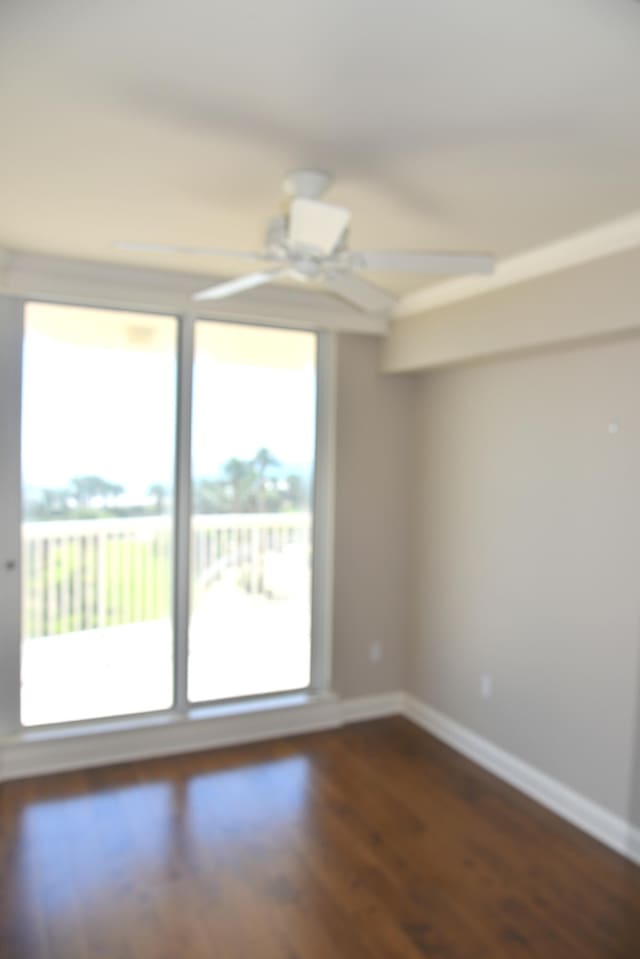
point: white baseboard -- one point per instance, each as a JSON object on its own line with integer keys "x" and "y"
{"x": 359, "y": 708}
{"x": 560, "y": 799}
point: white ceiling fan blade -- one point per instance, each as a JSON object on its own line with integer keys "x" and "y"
{"x": 431, "y": 263}
{"x": 228, "y": 288}
{"x": 315, "y": 226}
{"x": 191, "y": 250}
{"x": 359, "y": 292}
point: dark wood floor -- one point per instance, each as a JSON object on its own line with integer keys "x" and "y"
{"x": 372, "y": 841}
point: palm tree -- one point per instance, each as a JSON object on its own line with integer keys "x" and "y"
{"x": 240, "y": 475}
{"x": 84, "y": 489}
{"x": 159, "y": 493}
{"x": 210, "y": 496}
{"x": 262, "y": 462}
{"x": 110, "y": 492}
{"x": 297, "y": 491}
{"x": 53, "y": 503}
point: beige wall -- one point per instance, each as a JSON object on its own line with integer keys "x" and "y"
{"x": 374, "y": 442}
{"x": 526, "y": 560}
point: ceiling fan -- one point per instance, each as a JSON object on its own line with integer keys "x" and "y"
{"x": 308, "y": 243}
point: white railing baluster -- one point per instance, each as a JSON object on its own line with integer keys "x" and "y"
{"x": 125, "y": 567}
{"x": 155, "y": 554}
{"x": 63, "y": 587}
{"x": 102, "y": 577}
{"x": 254, "y": 534}
{"x": 74, "y": 581}
{"x": 199, "y": 542}
{"x": 37, "y": 598}
{"x": 165, "y": 584}
{"x": 84, "y": 575}
{"x": 92, "y": 581}
{"x": 50, "y": 587}
{"x": 111, "y": 547}
{"x": 143, "y": 586}
{"x": 136, "y": 611}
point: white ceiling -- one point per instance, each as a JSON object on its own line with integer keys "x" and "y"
{"x": 449, "y": 124}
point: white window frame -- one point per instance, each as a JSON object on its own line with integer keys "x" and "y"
{"x": 11, "y": 310}
{"x": 11, "y": 337}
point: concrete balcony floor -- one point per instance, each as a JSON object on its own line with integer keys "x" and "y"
{"x": 240, "y": 644}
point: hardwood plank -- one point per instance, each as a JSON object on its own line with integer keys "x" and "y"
{"x": 368, "y": 842}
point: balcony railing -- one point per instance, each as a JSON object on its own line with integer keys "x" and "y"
{"x": 93, "y": 573}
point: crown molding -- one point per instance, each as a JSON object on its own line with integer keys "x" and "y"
{"x": 616, "y": 236}
{"x": 41, "y": 276}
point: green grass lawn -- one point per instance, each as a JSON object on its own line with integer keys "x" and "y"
{"x": 79, "y": 586}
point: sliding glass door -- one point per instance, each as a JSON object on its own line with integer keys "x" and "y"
{"x": 101, "y": 635}
{"x": 98, "y": 440}
{"x": 253, "y": 437}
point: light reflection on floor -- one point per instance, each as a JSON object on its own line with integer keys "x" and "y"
{"x": 154, "y": 832}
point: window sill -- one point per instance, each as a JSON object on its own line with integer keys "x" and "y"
{"x": 83, "y": 745}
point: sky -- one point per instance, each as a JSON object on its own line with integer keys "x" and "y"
{"x": 90, "y": 410}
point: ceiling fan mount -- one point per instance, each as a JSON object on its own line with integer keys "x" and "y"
{"x": 310, "y": 184}
{"x": 309, "y": 243}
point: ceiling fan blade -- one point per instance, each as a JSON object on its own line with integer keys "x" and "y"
{"x": 430, "y": 263}
{"x": 360, "y": 292}
{"x": 315, "y": 226}
{"x": 230, "y": 287}
{"x": 192, "y": 250}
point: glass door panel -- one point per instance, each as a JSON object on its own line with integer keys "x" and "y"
{"x": 253, "y": 445}
{"x": 98, "y": 441}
